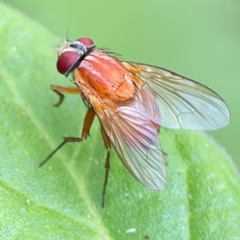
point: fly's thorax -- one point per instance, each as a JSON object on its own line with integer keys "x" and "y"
{"x": 106, "y": 76}
{"x": 97, "y": 99}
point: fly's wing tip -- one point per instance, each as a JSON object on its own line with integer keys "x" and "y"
{"x": 223, "y": 121}
{"x": 157, "y": 184}
{"x": 227, "y": 116}
{"x": 159, "y": 187}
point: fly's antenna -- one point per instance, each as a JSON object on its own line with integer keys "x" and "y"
{"x": 67, "y": 34}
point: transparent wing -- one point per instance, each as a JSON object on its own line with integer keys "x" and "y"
{"x": 133, "y": 130}
{"x": 183, "y": 103}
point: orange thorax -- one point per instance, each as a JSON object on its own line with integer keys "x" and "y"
{"x": 105, "y": 76}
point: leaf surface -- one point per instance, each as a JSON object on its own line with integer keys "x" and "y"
{"x": 62, "y": 200}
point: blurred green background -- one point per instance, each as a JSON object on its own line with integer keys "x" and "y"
{"x": 197, "y": 39}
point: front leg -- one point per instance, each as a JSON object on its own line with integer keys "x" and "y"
{"x": 60, "y": 90}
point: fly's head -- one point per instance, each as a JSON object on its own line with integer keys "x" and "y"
{"x": 72, "y": 53}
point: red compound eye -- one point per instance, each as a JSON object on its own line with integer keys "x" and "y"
{"x": 66, "y": 62}
{"x": 88, "y": 42}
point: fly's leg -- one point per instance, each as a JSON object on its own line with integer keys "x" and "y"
{"x": 107, "y": 163}
{"x": 60, "y": 90}
{"x": 85, "y": 132}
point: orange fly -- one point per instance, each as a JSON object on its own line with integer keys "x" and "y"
{"x": 132, "y": 100}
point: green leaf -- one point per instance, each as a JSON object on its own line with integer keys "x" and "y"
{"x": 62, "y": 200}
